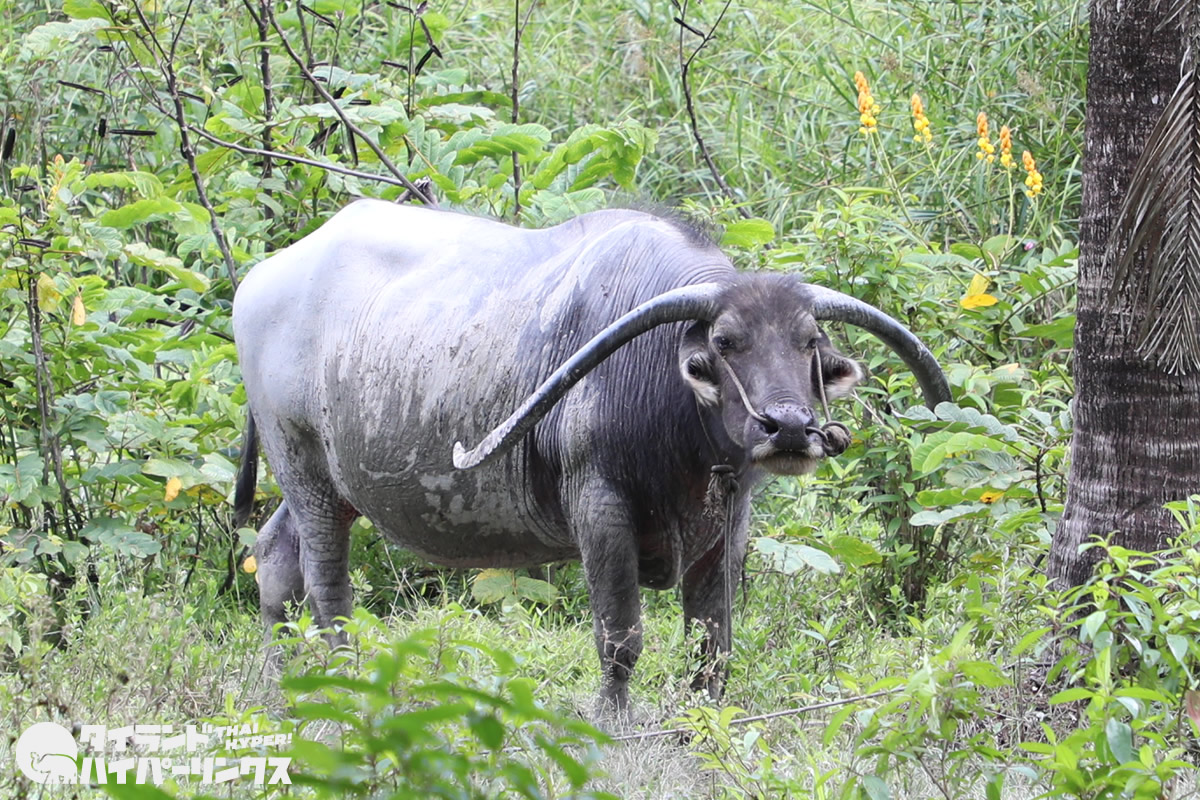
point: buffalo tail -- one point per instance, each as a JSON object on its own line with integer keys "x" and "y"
{"x": 247, "y": 480}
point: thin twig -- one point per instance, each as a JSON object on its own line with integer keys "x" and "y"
{"x": 685, "y": 65}
{"x": 518, "y": 32}
{"x": 353, "y": 129}
{"x": 789, "y": 712}
{"x": 288, "y": 157}
{"x": 167, "y": 67}
{"x": 44, "y": 384}
{"x": 264, "y": 68}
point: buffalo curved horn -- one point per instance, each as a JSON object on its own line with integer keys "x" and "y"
{"x": 833, "y": 306}
{"x": 677, "y": 305}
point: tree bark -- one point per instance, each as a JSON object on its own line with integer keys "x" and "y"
{"x": 1136, "y": 443}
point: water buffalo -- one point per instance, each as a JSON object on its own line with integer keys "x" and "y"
{"x": 372, "y": 345}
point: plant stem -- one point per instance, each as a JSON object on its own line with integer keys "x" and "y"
{"x": 353, "y": 129}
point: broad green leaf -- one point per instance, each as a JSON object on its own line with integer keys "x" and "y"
{"x": 537, "y": 590}
{"x": 145, "y": 255}
{"x": 84, "y": 9}
{"x": 748, "y": 233}
{"x": 1120, "y": 740}
{"x": 492, "y": 585}
{"x": 48, "y": 295}
{"x": 139, "y": 211}
{"x": 50, "y": 39}
{"x": 876, "y": 788}
{"x": 1060, "y": 331}
{"x": 984, "y": 674}
{"x": 1092, "y": 624}
{"x": 933, "y": 518}
{"x": 854, "y": 551}
{"x": 790, "y": 558}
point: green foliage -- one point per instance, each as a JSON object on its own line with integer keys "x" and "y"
{"x": 507, "y": 587}
{"x": 430, "y": 716}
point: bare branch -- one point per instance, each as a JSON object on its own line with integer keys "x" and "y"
{"x": 350, "y": 126}
{"x": 167, "y": 67}
{"x": 293, "y": 159}
{"x": 685, "y": 65}
{"x": 519, "y": 26}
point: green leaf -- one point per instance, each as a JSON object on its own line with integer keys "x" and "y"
{"x": 1120, "y": 740}
{"x": 144, "y": 255}
{"x": 790, "y": 558}
{"x": 84, "y": 9}
{"x": 1092, "y": 624}
{"x": 984, "y": 673}
{"x": 493, "y": 585}
{"x": 1029, "y": 640}
{"x": 997, "y": 245}
{"x": 933, "y": 518}
{"x": 994, "y": 789}
{"x": 876, "y": 788}
{"x": 52, "y": 38}
{"x": 139, "y": 211}
{"x": 748, "y": 233}
{"x": 537, "y": 590}
{"x": 146, "y": 184}
{"x": 854, "y": 551}
{"x": 1061, "y": 331}
{"x": 1072, "y": 695}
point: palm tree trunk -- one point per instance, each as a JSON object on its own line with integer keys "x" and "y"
{"x": 1136, "y": 444}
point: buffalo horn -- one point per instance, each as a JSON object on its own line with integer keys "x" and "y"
{"x": 678, "y": 305}
{"x": 833, "y": 306}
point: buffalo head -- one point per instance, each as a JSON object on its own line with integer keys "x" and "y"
{"x": 766, "y": 369}
{"x": 755, "y": 353}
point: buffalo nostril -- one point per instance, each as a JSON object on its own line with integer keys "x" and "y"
{"x": 769, "y": 426}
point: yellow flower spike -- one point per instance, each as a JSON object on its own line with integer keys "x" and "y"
{"x": 868, "y": 109}
{"x": 1033, "y": 178}
{"x": 1006, "y": 159}
{"x": 987, "y": 150}
{"x": 920, "y": 121}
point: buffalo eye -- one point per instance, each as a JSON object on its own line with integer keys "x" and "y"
{"x": 812, "y": 344}
{"x": 723, "y": 344}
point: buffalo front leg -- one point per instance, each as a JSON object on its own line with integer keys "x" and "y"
{"x": 708, "y": 588}
{"x": 610, "y": 564}
{"x": 325, "y": 564}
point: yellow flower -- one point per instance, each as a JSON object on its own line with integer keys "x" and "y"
{"x": 868, "y": 109}
{"x": 1006, "y": 158}
{"x": 920, "y": 121}
{"x": 1033, "y": 178}
{"x": 987, "y": 150}
{"x": 977, "y": 296}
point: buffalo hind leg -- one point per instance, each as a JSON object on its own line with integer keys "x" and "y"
{"x": 610, "y": 564}
{"x": 708, "y": 588}
{"x": 279, "y": 579}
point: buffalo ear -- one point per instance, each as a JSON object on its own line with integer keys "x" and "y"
{"x": 696, "y": 365}
{"x": 839, "y": 373}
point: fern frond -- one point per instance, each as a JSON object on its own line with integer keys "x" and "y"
{"x": 1160, "y": 218}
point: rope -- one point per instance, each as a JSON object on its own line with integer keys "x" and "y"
{"x": 742, "y": 392}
